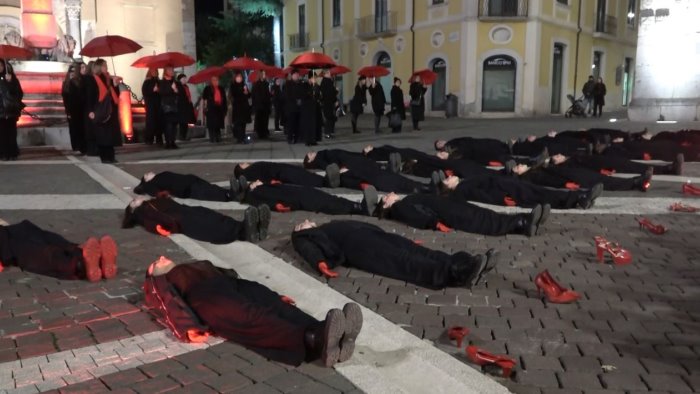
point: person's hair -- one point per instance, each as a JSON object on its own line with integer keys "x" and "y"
{"x": 88, "y": 68}
{"x": 307, "y": 163}
{"x": 435, "y": 144}
{"x": 397, "y": 79}
{"x": 8, "y": 68}
{"x": 381, "y": 212}
{"x": 237, "y": 171}
{"x": 129, "y": 220}
{"x": 443, "y": 189}
{"x": 362, "y": 78}
{"x": 590, "y": 77}
{"x": 180, "y": 76}
{"x": 100, "y": 62}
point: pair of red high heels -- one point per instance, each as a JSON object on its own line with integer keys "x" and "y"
{"x": 481, "y": 357}
{"x": 553, "y": 291}
{"x": 690, "y": 189}
{"x": 657, "y": 229}
{"x": 680, "y": 207}
{"x": 619, "y": 255}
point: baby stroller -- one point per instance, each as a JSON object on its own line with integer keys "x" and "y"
{"x": 577, "y": 107}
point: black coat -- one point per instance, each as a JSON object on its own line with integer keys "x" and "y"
{"x": 277, "y": 94}
{"x": 294, "y": 93}
{"x": 184, "y": 104}
{"x": 417, "y": 93}
{"x": 378, "y": 98}
{"x": 108, "y": 133}
{"x": 170, "y": 99}
{"x": 240, "y": 107}
{"x": 359, "y": 100}
{"x": 599, "y": 92}
{"x": 299, "y": 198}
{"x": 182, "y": 186}
{"x": 150, "y": 98}
{"x": 282, "y": 172}
{"x": 261, "y": 97}
{"x": 329, "y": 96}
{"x": 72, "y": 99}
{"x": 13, "y": 91}
{"x": 311, "y": 119}
{"x": 216, "y": 114}
{"x": 397, "y": 101}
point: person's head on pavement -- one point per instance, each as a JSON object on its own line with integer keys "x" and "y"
{"x": 309, "y": 159}
{"x": 239, "y": 168}
{"x": 305, "y": 225}
{"x": 161, "y": 266}
{"x": 440, "y": 144}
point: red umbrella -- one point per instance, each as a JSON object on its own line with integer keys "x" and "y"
{"x": 373, "y": 71}
{"x": 142, "y": 62}
{"x": 205, "y": 75}
{"x": 288, "y": 70}
{"x": 337, "y": 70}
{"x": 169, "y": 59}
{"x": 13, "y": 52}
{"x": 427, "y": 77}
{"x": 270, "y": 72}
{"x": 245, "y": 63}
{"x": 109, "y": 46}
{"x": 312, "y": 60}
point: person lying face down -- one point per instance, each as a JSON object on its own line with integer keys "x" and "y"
{"x": 33, "y": 249}
{"x": 198, "y": 299}
{"x": 185, "y": 186}
{"x": 164, "y": 216}
{"x": 510, "y": 191}
{"x": 444, "y": 213}
{"x": 574, "y": 178}
{"x": 363, "y": 171}
{"x": 369, "y": 248}
{"x": 287, "y": 173}
{"x": 286, "y": 198}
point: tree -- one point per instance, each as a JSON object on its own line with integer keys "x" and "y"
{"x": 236, "y": 34}
{"x": 267, "y": 8}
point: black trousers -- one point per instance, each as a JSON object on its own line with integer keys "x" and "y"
{"x": 170, "y": 131}
{"x": 558, "y": 176}
{"x": 183, "y": 129}
{"x": 658, "y": 150}
{"x": 204, "y": 224}
{"x": 239, "y": 131}
{"x": 261, "y": 123}
{"x": 474, "y": 219}
{"x": 597, "y": 107}
{"x": 76, "y": 129}
{"x": 154, "y": 128}
{"x": 8, "y": 139}
{"x": 214, "y": 133}
{"x": 353, "y": 120}
{"x": 329, "y": 125}
{"x": 291, "y": 127}
{"x": 383, "y": 180}
{"x": 106, "y": 153}
{"x": 415, "y": 118}
{"x": 494, "y": 190}
{"x": 279, "y": 117}
{"x": 377, "y": 122}
{"x": 302, "y": 198}
{"x": 564, "y": 146}
{"x": 618, "y": 164}
{"x": 205, "y": 191}
{"x": 254, "y": 316}
{"x": 42, "y": 252}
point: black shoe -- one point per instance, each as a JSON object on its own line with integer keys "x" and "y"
{"x": 508, "y": 167}
{"x": 234, "y": 188}
{"x": 264, "y": 217}
{"x": 369, "y": 202}
{"x": 395, "y": 162}
{"x": 435, "y": 179}
{"x": 528, "y": 224}
{"x": 333, "y": 175}
{"x": 510, "y": 146}
{"x": 546, "y": 210}
{"x": 677, "y": 166}
{"x": 353, "y": 325}
{"x": 492, "y": 259}
{"x": 475, "y": 268}
{"x": 333, "y": 331}
{"x": 541, "y": 159}
{"x": 251, "y": 223}
{"x": 643, "y": 181}
{"x": 242, "y": 183}
{"x": 587, "y": 200}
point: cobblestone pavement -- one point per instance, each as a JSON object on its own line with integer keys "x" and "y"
{"x": 636, "y": 328}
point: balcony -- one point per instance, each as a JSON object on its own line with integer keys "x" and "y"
{"x": 606, "y": 26}
{"x": 373, "y": 26}
{"x": 502, "y": 9}
{"x": 298, "y": 42}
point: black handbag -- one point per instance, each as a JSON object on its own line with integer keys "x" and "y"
{"x": 103, "y": 110}
{"x": 12, "y": 107}
{"x": 395, "y": 119}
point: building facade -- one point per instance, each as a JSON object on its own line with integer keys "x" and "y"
{"x": 499, "y": 57}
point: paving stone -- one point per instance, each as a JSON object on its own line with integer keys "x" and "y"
{"x": 541, "y": 378}
{"x": 162, "y": 368}
{"x": 261, "y": 372}
{"x": 231, "y": 381}
{"x": 192, "y": 375}
{"x": 674, "y": 383}
{"x": 160, "y": 384}
{"x": 260, "y": 388}
{"x": 287, "y": 382}
{"x": 579, "y": 380}
{"x": 622, "y": 381}
{"x": 533, "y": 362}
{"x": 123, "y": 378}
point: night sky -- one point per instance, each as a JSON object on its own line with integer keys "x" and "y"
{"x": 208, "y": 7}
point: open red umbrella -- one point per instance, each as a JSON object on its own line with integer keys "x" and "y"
{"x": 312, "y": 60}
{"x": 143, "y": 62}
{"x": 169, "y": 59}
{"x": 373, "y": 71}
{"x": 205, "y": 75}
{"x": 245, "y": 63}
{"x": 270, "y": 72}
{"x": 109, "y": 46}
{"x": 13, "y": 52}
{"x": 427, "y": 77}
{"x": 288, "y": 70}
{"x": 337, "y": 70}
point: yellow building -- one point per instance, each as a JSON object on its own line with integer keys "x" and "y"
{"x": 502, "y": 57}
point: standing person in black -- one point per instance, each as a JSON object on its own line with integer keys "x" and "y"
{"x": 378, "y": 102}
{"x": 308, "y": 122}
{"x": 101, "y": 107}
{"x": 293, "y": 96}
{"x": 358, "y": 101}
{"x": 73, "y": 103}
{"x": 329, "y": 100}
{"x": 187, "y": 115}
{"x": 88, "y": 84}
{"x": 397, "y": 107}
{"x": 588, "y": 94}
{"x": 240, "y": 115}
{"x": 315, "y": 81}
{"x": 262, "y": 103}
{"x": 169, "y": 90}
{"x": 417, "y": 92}
{"x": 599, "y": 92}
{"x": 10, "y": 110}
{"x": 215, "y": 105}
{"x": 151, "y": 98}
{"x": 278, "y": 103}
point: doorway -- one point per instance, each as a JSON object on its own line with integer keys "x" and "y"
{"x": 384, "y": 60}
{"x": 439, "y": 88}
{"x": 498, "y": 86}
{"x": 557, "y": 68}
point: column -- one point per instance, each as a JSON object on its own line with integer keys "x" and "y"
{"x": 73, "y": 8}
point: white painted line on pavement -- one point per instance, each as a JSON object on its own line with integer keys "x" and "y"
{"x": 206, "y": 161}
{"x": 33, "y": 162}
{"x": 59, "y": 201}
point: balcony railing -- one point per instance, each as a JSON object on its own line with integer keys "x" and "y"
{"x": 380, "y": 25}
{"x": 298, "y": 41}
{"x": 607, "y": 25}
{"x": 502, "y": 9}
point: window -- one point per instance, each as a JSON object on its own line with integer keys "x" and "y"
{"x": 438, "y": 2}
{"x": 336, "y": 13}
{"x": 597, "y": 64}
{"x": 302, "y": 18}
{"x": 564, "y": 2}
{"x": 600, "y": 17}
{"x": 632, "y": 13}
{"x": 381, "y": 15}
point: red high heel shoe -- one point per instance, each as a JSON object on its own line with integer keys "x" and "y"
{"x": 653, "y": 228}
{"x": 555, "y": 293}
{"x": 483, "y": 358}
{"x": 680, "y": 207}
{"x": 619, "y": 255}
{"x": 457, "y": 333}
{"x": 690, "y": 189}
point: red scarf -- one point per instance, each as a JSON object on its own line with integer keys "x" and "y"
{"x": 217, "y": 95}
{"x": 102, "y": 88}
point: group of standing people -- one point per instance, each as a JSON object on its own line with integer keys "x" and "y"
{"x": 594, "y": 96}
{"x": 10, "y": 110}
{"x": 91, "y": 99}
{"x": 169, "y": 109}
{"x": 398, "y": 110}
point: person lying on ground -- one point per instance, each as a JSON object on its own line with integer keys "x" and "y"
{"x": 287, "y": 173}
{"x": 185, "y": 186}
{"x": 369, "y": 248}
{"x": 574, "y": 178}
{"x": 162, "y": 215}
{"x": 608, "y": 165}
{"x": 198, "y": 299}
{"x": 33, "y": 249}
{"x": 443, "y": 213}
